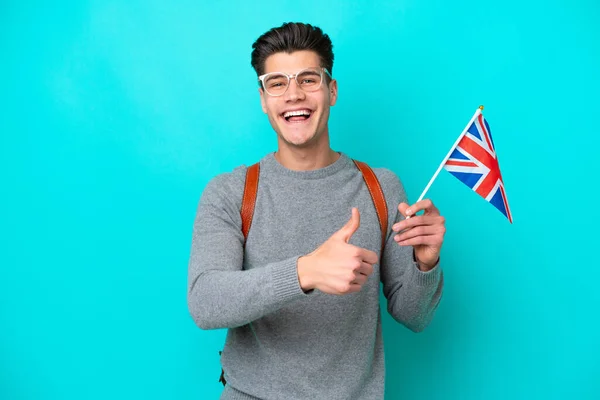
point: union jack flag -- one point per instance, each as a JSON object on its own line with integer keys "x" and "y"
{"x": 474, "y": 162}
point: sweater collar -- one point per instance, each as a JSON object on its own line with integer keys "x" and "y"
{"x": 270, "y": 165}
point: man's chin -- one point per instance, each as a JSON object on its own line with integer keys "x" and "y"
{"x": 304, "y": 140}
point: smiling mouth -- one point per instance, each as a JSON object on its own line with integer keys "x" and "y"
{"x": 297, "y": 116}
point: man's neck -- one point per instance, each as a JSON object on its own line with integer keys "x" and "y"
{"x": 307, "y": 159}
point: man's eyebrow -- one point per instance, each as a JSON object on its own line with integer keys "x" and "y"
{"x": 310, "y": 71}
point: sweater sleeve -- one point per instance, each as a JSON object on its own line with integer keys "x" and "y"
{"x": 412, "y": 295}
{"x": 221, "y": 294}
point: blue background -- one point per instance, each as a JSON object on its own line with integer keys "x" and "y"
{"x": 114, "y": 116}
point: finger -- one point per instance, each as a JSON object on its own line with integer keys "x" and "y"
{"x": 428, "y": 240}
{"x": 359, "y": 280}
{"x": 417, "y": 221}
{"x": 354, "y": 288}
{"x": 423, "y": 205}
{"x": 365, "y": 269}
{"x": 402, "y": 208}
{"x": 346, "y": 232}
{"x": 368, "y": 256}
{"x": 350, "y": 287}
{"x": 423, "y": 230}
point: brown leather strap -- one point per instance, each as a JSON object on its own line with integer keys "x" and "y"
{"x": 377, "y": 196}
{"x": 249, "y": 198}
{"x": 247, "y": 212}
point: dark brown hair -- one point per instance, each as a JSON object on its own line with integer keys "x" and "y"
{"x": 290, "y": 37}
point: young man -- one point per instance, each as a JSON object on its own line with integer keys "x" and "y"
{"x": 300, "y": 295}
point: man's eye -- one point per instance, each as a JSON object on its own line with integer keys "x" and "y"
{"x": 276, "y": 84}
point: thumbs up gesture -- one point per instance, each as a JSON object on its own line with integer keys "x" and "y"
{"x": 337, "y": 267}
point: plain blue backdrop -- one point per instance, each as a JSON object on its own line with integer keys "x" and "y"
{"x": 115, "y": 114}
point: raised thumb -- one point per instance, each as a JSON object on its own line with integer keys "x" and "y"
{"x": 351, "y": 226}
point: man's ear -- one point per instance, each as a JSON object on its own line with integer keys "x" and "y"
{"x": 333, "y": 92}
{"x": 262, "y": 100}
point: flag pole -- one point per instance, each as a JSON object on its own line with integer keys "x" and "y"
{"x": 450, "y": 152}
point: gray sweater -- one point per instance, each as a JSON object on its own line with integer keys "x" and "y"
{"x": 283, "y": 343}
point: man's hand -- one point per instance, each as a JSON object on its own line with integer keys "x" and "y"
{"x": 424, "y": 232}
{"x": 337, "y": 267}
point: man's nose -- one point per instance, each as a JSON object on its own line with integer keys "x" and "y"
{"x": 294, "y": 92}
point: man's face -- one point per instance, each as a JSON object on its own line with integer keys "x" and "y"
{"x": 298, "y": 131}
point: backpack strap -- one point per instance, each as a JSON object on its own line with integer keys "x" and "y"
{"x": 251, "y": 189}
{"x": 377, "y": 196}
{"x": 247, "y": 212}
{"x": 249, "y": 198}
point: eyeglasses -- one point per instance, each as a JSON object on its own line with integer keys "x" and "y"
{"x": 277, "y": 83}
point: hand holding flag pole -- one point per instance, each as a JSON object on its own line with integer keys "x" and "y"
{"x": 473, "y": 161}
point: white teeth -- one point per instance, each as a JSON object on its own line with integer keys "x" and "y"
{"x": 296, "y": 113}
